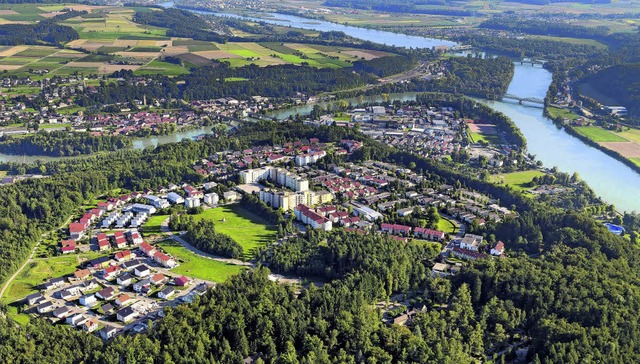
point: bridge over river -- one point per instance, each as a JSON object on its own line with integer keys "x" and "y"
{"x": 522, "y": 100}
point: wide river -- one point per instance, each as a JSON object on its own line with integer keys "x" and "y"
{"x": 610, "y": 179}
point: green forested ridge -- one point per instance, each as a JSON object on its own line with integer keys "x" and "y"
{"x": 181, "y": 23}
{"x": 44, "y": 32}
{"x": 61, "y": 143}
{"x": 577, "y": 301}
{"x": 620, "y": 82}
{"x": 541, "y": 27}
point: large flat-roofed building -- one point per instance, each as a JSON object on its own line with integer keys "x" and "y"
{"x": 278, "y": 175}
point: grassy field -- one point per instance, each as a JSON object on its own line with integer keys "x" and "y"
{"x": 636, "y": 161}
{"x": 152, "y": 226}
{"x": 517, "y": 180}
{"x": 193, "y": 265}
{"x": 633, "y": 135}
{"x": 446, "y": 226}
{"x": 36, "y": 273}
{"x": 598, "y": 134}
{"x": 487, "y": 138}
{"x": 555, "y": 112}
{"x": 246, "y": 228}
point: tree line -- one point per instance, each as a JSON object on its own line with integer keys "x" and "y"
{"x": 61, "y": 143}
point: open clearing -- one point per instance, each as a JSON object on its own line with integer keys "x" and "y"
{"x": 196, "y": 266}
{"x": 246, "y": 228}
{"x": 446, "y": 226}
{"x": 518, "y": 180}
{"x": 38, "y": 271}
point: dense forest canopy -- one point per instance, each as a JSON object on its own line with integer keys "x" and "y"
{"x": 44, "y": 32}
{"x": 620, "y": 83}
{"x": 543, "y": 27}
{"x": 181, "y": 23}
{"x": 61, "y": 143}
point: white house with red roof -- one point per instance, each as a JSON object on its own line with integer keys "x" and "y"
{"x": 428, "y": 234}
{"x": 498, "y": 249}
{"x": 68, "y": 246}
{"x": 312, "y": 218}
{"x": 164, "y": 259}
{"x": 123, "y": 256}
{"x": 147, "y": 249}
{"x": 76, "y": 230}
{"x": 192, "y": 192}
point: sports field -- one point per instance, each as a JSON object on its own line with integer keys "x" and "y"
{"x": 246, "y": 228}
{"x": 196, "y": 266}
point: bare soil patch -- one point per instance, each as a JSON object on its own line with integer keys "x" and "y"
{"x": 626, "y": 149}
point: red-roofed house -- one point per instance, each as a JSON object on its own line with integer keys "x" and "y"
{"x": 76, "y": 230}
{"x": 428, "y": 234}
{"x": 498, "y": 249}
{"x": 147, "y": 249}
{"x": 123, "y": 256}
{"x": 164, "y": 259}
{"x": 181, "y": 281}
{"x": 68, "y": 246}
{"x": 110, "y": 272}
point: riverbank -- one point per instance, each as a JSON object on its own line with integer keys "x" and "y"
{"x": 571, "y": 130}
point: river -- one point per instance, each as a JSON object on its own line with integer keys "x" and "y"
{"x": 610, "y": 179}
{"x": 371, "y": 35}
{"x": 138, "y": 143}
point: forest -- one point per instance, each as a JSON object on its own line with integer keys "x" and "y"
{"x": 44, "y": 32}
{"x": 620, "y": 82}
{"x": 61, "y": 143}
{"x": 395, "y": 6}
{"x": 181, "y": 23}
{"x": 542, "y": 27}
{"x": 275, "y": 81}
{"x": 574, "y": 300}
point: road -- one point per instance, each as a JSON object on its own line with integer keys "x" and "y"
{"x": 30, "y": 259}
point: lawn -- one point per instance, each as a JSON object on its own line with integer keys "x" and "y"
{"x": 246, "y": 228}
{"x": 599, "y": 135}
{"x": 446, "y": 226}
{"x": 152, "y": 226}
{"x": 518, "y": 180}
{"x": 36, "y": 273}
{"x": 196, "y": 266}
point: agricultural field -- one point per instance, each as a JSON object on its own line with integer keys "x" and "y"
{"x": 518, "y": 180}
{"x": 246, "y": 228}
{"x": 633, "y": 135}
{"x": 124, "y": 44}
{"x": 599, "y": 135}
{"x": 196, "y": 266}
